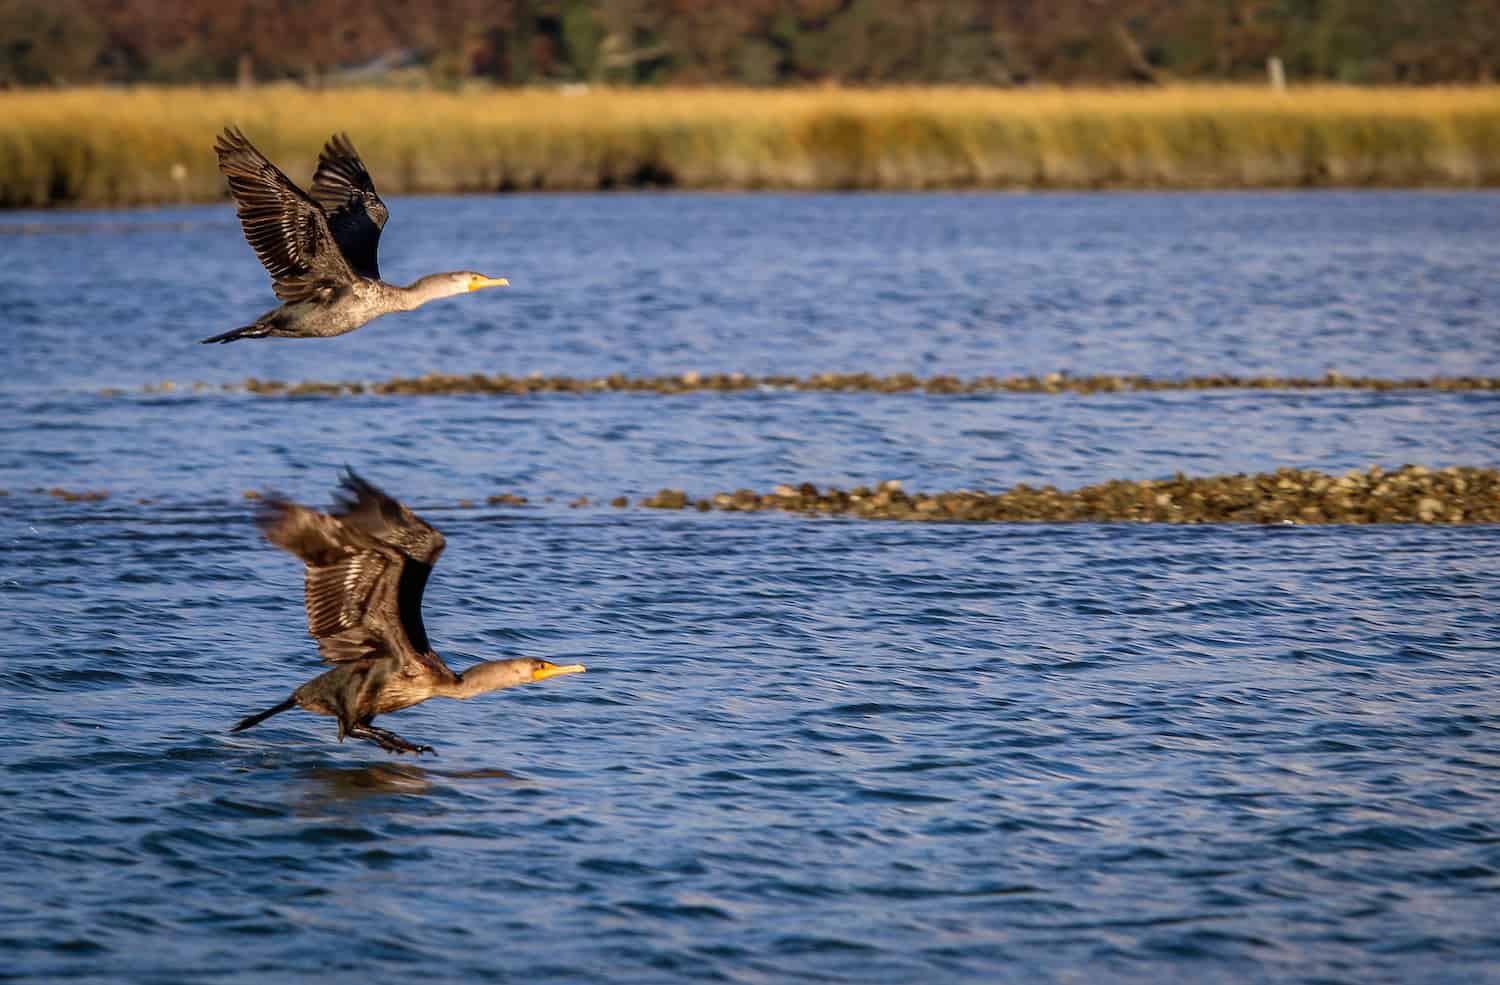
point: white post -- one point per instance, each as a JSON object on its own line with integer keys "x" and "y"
{"x": 1277, "y": 73}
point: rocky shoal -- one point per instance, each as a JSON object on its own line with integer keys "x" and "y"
{"x": 693, "y": 382}
{"x": 1410, "y": 494}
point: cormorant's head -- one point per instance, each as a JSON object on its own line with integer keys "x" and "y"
{"x": 447, "y": 285}
{"x": 492, "y": 675}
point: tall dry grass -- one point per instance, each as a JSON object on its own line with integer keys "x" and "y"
{"x": 151, "y": 145}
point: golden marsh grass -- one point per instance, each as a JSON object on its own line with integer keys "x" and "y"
{"x": 95, "y": 146}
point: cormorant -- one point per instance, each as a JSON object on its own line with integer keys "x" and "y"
{"x": 320, "y": 249}
{"x": 367, "y": 564}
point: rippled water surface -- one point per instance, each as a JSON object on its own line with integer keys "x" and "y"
{"x": 805, "y": 750}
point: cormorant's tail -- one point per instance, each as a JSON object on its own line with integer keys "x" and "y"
{"x": 256, "y": 719}
{"x": 257, "y": 331}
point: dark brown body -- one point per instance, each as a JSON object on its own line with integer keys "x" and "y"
{"x": 355, "y": 693}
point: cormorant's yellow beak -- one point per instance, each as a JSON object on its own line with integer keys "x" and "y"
{"x": 552, "y": 670}
{"x": 476, "y": 283}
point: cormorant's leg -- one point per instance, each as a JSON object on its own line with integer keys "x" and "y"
{"x": 387, "y": 740}
{"x": 396, "y": 740}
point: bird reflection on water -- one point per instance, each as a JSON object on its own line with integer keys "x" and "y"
{"x": 376, "y": 779}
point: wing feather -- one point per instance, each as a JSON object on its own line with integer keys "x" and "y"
{"x": 363, "y": 590}
{"x": 363, "y": 506}
{"x": 342, "y": 186}
{"x": 285, "y": 227}
{"x": 338, "y": 594}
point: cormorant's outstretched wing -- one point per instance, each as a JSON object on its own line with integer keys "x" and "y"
{"x": 367, "y": 565}
{"x": 343, "y": 188}
{"x": 361, "y": 505}
{"x": 285, "y": 227}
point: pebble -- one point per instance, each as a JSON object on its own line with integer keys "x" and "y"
{"x": 667, "y": 499}
{"x": 73, "y": 496}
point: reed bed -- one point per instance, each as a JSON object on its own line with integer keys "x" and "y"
{"x": 129, "y": 146}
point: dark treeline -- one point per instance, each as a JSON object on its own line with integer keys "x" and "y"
{"x": 746, "y": 42}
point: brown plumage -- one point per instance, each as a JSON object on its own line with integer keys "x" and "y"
{"x": 321, "y": 249}
{"x": 367, "y": 565}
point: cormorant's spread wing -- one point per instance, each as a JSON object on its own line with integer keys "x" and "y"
{"x": 344, "y": 571}
{"x": 285, "y": 227}
{"x": 363, "y": 506}
{"x": 363, "y": 590}
{"x": 343, "y": 188}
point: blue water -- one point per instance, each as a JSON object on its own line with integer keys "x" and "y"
{"x": 805, "y": 750}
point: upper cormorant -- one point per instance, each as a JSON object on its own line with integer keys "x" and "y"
{"x": 320, "y": 248}
{"x": 367, "y": 563}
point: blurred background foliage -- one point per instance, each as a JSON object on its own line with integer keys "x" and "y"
{"x": 746, "y": 42}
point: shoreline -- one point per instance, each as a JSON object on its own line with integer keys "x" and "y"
{"x": 10, "y": 227}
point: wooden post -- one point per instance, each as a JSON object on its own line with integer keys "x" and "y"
{"x": 1277, "y": 73}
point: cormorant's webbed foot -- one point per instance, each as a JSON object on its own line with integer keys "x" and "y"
{"x": 387, "y": 740}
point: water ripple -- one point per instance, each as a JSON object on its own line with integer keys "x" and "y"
{"x": 805, "y": 750}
